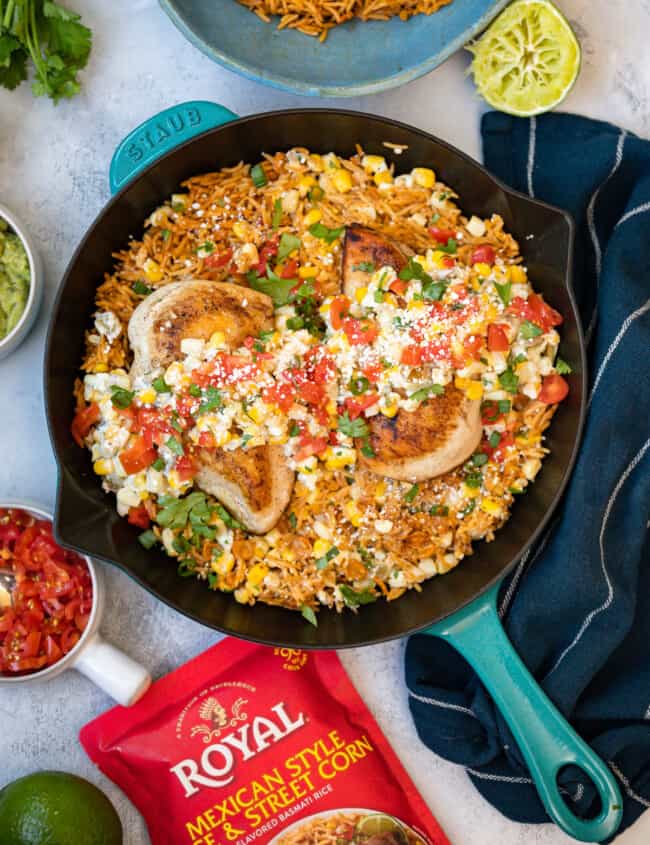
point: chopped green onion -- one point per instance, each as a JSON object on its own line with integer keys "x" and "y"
{"x": 439, "y": 510}
{"x": 509, "y": 381}
{"x": 186, "y": 568}
{"x": 504, "y": 406}
{"x": 141, "y": 289}
{"x": 358, "y": 385}
{"x": 295, "y": 323}
{"x": 308, "y": 614}
{"x": 322, "y": 562}
{"x": 474, "y": 480}
{"x": 364, "y": 267}
{"x": 148, "y": 539}
{"x": 276, "y": 219}
{"x": 174, "y": 446}
{"x": 158, "y": 464}
{"x": 562, "y": 367}
{"x": 293, "y": 520}
{"x": 479, "y": 458}
{"x": 504, "y": 292}
{"x": 318, "y": 230}
{"x": 494, "y": 439}
{"x": 195, "y": 391}
{"x": 529, "y": 330}
{"x": 412, "y": 493}
{"x": 367, "y": 451}
{"x": 120, "y": 397}
{"x": 424, "y": 392}
{"x": 160, "y": 385}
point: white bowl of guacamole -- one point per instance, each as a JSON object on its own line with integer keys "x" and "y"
{"x": 21, "y": 282}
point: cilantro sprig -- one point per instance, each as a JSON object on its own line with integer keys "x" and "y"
{"x": 50, "y": 38}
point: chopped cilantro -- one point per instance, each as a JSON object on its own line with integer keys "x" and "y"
{"x": 293, "y": 520}
{"x": 228, "y": 520}
{"x": 258, "y": 176}
{"x": 379, "y": 296}
{"x": 529, "y": 330}
{"x": 504, "y": 406}
{"x": 120, "y": 397}
{"x": 158, "y": 464}
{"x": 318, "y": 230}
{"x": 160, "y": 385}
{"x": 276, "y": 218}
{"x": 275, "y": 287}
{"x": 148, "y": 539}
{"x": 366, "y": 558}
{"x": 186, "y": 568}
{"x": 295, "y": 323}
{"x": 494, "y": 439}
{"x": 194, "y": 390}
{"x": 174, "y": 513}
{"x": 474, "y": 479}
{"x": 424, "y": 392}
{"x": 245, "y": 438}
{"x": 410, "y": 495}
{"x": 519, "y": 359}
{"x": 354, "y": 598}
{"x": 434, "y": 290}
{"x": 212, "y": 402}
{"x": 288, "y": 243}
{"x": 322, "y": 562}
{"x": 562, "y": 367}
{"x": 468, "y": 508}
{"x": 364, "y": 267}
{"x": 175, "y": 446}
{"x": 479, "y": 458}
{"x": 141, "y": 289}
{"x": 166, "y": 234}
{"x": 450, "y": 247}
{"x": 213, "y": 580}
{"x": 352, "y": 428}
{"x": 414, "y": 270}
{"x": 358, "y": 385}
{"x": 294, "y": 431}
{"x": 367, "y": 451}
{"x": 308, "y": 614}
{"x": 439, "y": 510}
{"x": 207, "y": 247}
{"x": 504, "y": 292}
{"x": 509, "y": 381}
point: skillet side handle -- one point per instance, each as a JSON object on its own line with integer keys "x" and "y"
{"x": 162, "y": 133}
{"x": 547, "y": 742}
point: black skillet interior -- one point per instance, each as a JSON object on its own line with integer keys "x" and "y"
{"x": 86, "y": 518}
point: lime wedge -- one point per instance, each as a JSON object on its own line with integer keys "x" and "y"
{"x": 527, "y": 60}
{"x": 378, "y": 824}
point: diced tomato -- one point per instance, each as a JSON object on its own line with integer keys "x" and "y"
{"x": 536, "y": 311}
{"x": 497, "y": 339}
{"x": 473, "y": 345}
{"x": 308, "y": 446}
{"x": 281, "y": 394}
{"x": 490, "y": 412}
{"x": 139, "y": 516}
{"x": 411, "y": 355}
{"x": 83, "y": 421}
{"x": 346, "y": 833}
{"x": 154, "y": 426}
{"x": 185, "y": 404}
{"x": 52, "y": 594}
{"x": 373, "y": 371}
{"x": 507, "y": 440}
{"x": 448, "y": 262}
{"x": 554, "y": 390}
{"x": 268, "y": 250}
{"x": 138, "y": 456}
{"x": 360, "y": 332}
{"x": 441, "y": 235}
{"x": 398, "y": 286}
{"x": 249, "y": 342}
{"x": 207, "y": 441}
{"x": 483, "y": 254}
{"x": 357, "y": 405}
{"x": 289, "y": 269}
{"x": 338, "y": 310}
{"x": 218, "y": 259}
{"x": 185, "y": 467}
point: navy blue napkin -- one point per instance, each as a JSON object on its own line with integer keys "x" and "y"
{"x": 577, "y": 608}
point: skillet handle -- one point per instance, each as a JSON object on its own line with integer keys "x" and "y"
{"x": 547, "y": 742}
{"x": 162, "y": 133}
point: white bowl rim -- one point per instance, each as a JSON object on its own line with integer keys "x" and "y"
{"x": 42, "y": 512}
{"x": 17, "y": 227}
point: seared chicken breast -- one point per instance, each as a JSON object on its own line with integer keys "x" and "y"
{"x": 442, "y": 433}
{"x": 254, "y": 484}
{"x": 364, "y": 248}
{"x": 194, "y": 308}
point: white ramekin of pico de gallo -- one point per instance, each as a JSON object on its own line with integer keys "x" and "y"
{"x": 21, "y": 282}
{"x": 51, "y": 603}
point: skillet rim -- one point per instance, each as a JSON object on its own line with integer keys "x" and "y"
{"x": 468, "y": 161}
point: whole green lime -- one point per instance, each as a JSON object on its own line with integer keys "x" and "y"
{"x": 55, "y": 808}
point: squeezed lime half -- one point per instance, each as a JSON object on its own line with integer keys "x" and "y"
{"x": 527, "y": 60}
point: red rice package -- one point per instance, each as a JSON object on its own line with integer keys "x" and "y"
{"x": 248, "y": 744}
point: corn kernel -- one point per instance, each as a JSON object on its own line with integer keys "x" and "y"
{"x": 517, "y": 274}
{"x": 490, "y": 506}
{"x": 279, "y": 439}
{"x": 316, "y": 162}
{"x": 103, "y": 467}
{"x": 320, "y": 547}
{"x": 147, "y": 396}
{"x": 217, "y": 340}
{"x": 304, "y": 184}
{"x": 416, "y": 305}
{"x": 308, "y": 272}
{"x": 360, "y": 293}
{"x": 240, "y": 230}
{"x": 482, "y": 269}
{"x": 325, "y": 308}
{"x": 470, "y": 492}
{"x": 389, "y": 410}
{"x": 380, "y": 490}
{"x": 475, "y": 390}
{"x": 424, "y": 177}
{"x": 353, "y": 513}
{"x": 257, "y": 574}
{"x": 390, "y": 300}
{"x": 339, "y": 458}
{"x": 384, "y": 177}
{"x": 242, "y": 595}
{"x": 312, "y": 217}
{"x": 342, "y": 181}
{"x": 255, "y": 414}
{"x": 461, "y": 383}
{"x": 373, "y": 163}
{"x": 152, "y": 270}
{"x": 101, "y": 368}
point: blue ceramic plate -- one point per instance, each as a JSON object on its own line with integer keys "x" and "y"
{"x": 357, "y": 58}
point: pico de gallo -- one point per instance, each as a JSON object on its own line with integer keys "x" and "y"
{"x": 48, "y": 610}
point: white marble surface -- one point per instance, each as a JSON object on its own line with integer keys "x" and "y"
{"x": 53, "y": 173}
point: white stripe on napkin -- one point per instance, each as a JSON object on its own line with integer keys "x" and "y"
{"x": 444, "y": 704}
{"x": 532, "y": 139}
{"x": 601, "y": 541}
{"x": 619, "y": 774}
{"x": 633, "y": 212}
{"x": 614, "y": 344}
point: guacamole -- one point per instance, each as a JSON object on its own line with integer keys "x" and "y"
{"x": 14, "y": 279}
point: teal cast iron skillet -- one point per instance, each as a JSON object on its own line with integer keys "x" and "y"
{"x": 357, "y": 58}
{"x": 461, "y": 606}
